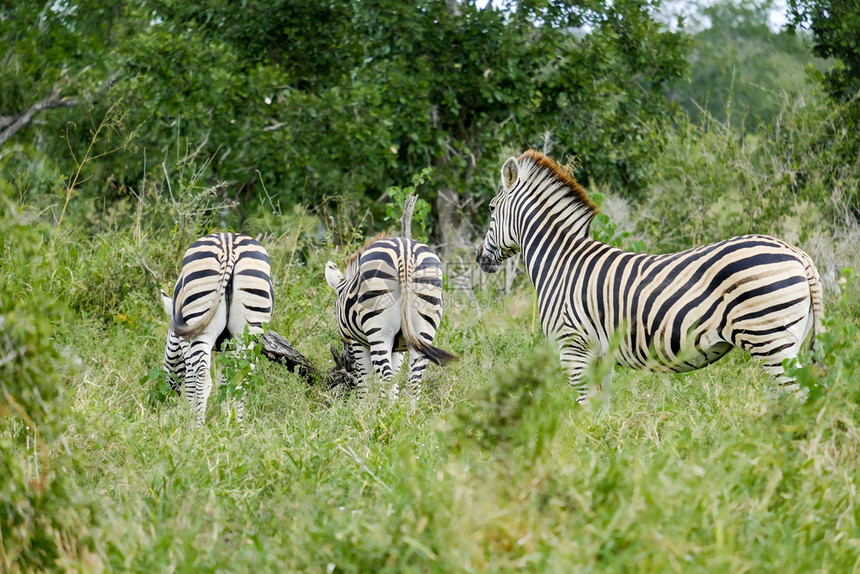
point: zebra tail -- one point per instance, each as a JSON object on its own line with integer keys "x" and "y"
{"x": 183, "y": 329}
{"x": 816, "y": 294}
{"x": 435, "y": 354}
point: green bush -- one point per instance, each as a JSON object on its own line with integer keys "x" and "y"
{"x": 710, "y": 182}
{"x": 44, "y": 520}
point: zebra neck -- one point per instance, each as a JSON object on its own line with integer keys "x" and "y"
{"x": 549, "y": 235}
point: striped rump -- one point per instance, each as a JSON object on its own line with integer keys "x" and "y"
{"x": 389, "y": 302}
{"x": 224, "y": 286}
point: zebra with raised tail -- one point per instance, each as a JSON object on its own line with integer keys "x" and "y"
{"x": 224, "y": 286}
{"x": 669, "y": 313}
{"x": 390, "y": 301}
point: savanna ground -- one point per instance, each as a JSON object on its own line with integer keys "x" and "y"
{"x": 497, "y": 468}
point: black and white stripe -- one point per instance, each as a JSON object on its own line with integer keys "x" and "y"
{"x": 223, "y": 287}
{"x": 390, "y": 301}
{"x": 670, "y": 313}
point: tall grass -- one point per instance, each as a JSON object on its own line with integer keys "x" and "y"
{"x": 496, "y": 469}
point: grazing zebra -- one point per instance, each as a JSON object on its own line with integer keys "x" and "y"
{"x": 390, "y": 301}
{"x": 224, "y": 285}
{"x": 670, "y": 313}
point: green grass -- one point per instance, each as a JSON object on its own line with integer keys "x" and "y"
{"x": 496, "y": 470}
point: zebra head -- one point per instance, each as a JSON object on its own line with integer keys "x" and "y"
{"x": 499, "y": 243}
{"x": 334, "y": 277}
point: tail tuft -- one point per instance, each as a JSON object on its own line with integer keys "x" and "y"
{"x": 435, "y": 354}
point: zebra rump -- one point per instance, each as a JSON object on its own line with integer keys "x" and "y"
{"x": 390, "y": 301}
{"x": 223, "y": 288}
{"x": 222, "y": 266}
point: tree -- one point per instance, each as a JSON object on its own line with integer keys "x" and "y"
{"x": 348, "y": 97}
{"x": 739, "y": 67}
{"x": 834, "y": 25}
{"x": 461, "y": 83}
{"x": 54, "y": 58}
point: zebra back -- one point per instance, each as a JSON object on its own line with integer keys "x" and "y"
{"x": 217, "y": 266}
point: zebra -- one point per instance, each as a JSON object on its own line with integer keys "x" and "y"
{"x": 223, "y": 287}
{"x": 390, "y": 301}
{"x": 667, "y": 313}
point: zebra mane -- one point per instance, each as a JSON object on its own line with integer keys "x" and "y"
{"x": 352, "y": 265}
{"x": 534, "y": 164}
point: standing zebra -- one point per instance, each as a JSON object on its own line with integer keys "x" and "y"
{"x": 224, "y": 285}
{"x": 672, "y": 313}
{"x": 390, "y": 301}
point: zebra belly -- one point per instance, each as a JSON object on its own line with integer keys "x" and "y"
{"x": 693, "y": 354}
{"x": 692, "y": 363}
{"x": 703, "y": 357}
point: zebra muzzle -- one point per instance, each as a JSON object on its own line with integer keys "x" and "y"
{"x": 487, "y": 263}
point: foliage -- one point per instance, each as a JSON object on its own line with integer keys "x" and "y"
{"x": 44, "y": 520}
{"x": 236, "y": 365}
{"x": 739, "y": 68}
{"x": 391, "y": 87}
{"x": 834, "y": 26}
{"x": 710, "y": 182}
{"x": 605, "y": 230}
{"x": 421, "y": 214}
{"x": 493, "y": 419}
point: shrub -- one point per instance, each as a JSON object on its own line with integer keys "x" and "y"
{"x": 710, "y": 181}
{"x": 43, "y": 519}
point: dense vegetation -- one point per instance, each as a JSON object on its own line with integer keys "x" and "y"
{"x": 128, "y": 130}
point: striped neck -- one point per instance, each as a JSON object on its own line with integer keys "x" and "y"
{"x": 552, "y": 213}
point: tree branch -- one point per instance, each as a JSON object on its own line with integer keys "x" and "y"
{"x": 338, "y": 379}
{"x": 11, "y": 125}
{"x": 406, "y": 218}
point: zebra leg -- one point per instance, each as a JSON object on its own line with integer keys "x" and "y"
{"x": 575, "y": 356}
{"x": 175, "y": 350}
{"x": 360, "y": 355}
{"x": 237, "y": 405}
{"x": 199, "y": 378}
{"x": 417, "y": 364}
{"x": 396, "y": 363}
{"x": 380, "y": 356}
{"x": 233, "y": 406}
{"x": 771, "y": 351}
{"x": 771, "y": 363}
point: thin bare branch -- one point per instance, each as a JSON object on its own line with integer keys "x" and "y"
{"x": 15, "y": 123}
{"x": 406, "y": 218}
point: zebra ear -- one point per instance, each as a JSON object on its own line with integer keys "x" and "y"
{"x": 333, "y": 276}
{"x": 510, "y": 172}
{"x": 167, "y": 301}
